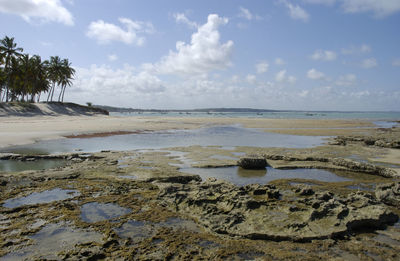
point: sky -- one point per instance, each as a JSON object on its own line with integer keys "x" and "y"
{"x": 178, "y": 54}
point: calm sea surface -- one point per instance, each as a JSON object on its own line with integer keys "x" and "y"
{"x": 381, "y": 116}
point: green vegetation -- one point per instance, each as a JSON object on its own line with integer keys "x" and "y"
{"x": 24, "y": 77}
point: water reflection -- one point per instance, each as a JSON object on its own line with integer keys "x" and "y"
{"x": 16, "y": 165}
{"x": 225, "y": 136}
{"x": 46, "y": 196}
{"x": 242, "y": 177}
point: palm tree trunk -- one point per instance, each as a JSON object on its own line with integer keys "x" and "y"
{"x": 52, "y": 93}
{"x": 59, "y": 96}
{"x": 51, "y": 88}
{"x": 7, "y": 93}
{"x": 62, "y": 99}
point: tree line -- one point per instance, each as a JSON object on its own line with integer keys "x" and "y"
{"x": 25, "y": 77}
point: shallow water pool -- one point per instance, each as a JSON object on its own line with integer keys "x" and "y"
{"x": 225, "y": 136}
{"x": 95, "y": 212}
{"x": 46, "y": 196}
{"x": 17, "y": 165}
{"x": 241, "y": 177}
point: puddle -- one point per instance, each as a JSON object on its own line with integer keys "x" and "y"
{"x": 52, "y": 239}
{"x": 250, "y": 256}
{"x": 179, "y": 156}
{"x": 241, "y": 177}
{"x": 362, "y": 187}
{"x": 239, "y": 154}
{"x": 128, "y": 177}
{"x": 38, "y": 223}
{"x": 302, "y": 183}
{"x": 16, "y": 165}
{"x": 178, "y": 223}
{"x": 385, "y": 124}
{"x": 139, "y": 230}
{"x": 95, "y": 212}
{"x": 46, "y": 196}
{"x": 136, "y": 230}
{"x": 145, "y": 167}
{"x": 224, "y": 136}
{"x": 357, "y": 158}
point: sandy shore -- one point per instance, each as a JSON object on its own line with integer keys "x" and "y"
{"x": 25, "y": 130}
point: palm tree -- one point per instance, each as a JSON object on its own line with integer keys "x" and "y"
{"x": 40, "y": 82}
{"x": 66, "y": 79}
{"x": 54, "y": 73}
{"x": 8, "y": 50}
{"x": 3, "y": 78}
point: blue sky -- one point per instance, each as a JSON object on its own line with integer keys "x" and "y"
{"x": 278, "y": 54}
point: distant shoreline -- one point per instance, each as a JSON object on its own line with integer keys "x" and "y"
{"x": 227, "y": 110}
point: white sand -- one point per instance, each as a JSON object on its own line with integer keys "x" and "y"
{"x": 24, "y": 130}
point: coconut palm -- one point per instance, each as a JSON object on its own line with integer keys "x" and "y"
{"x": 54, "y": 73}
{"x": 8, "y": 50}
{"x": 66, "y": 79}
{"x": 40, "y": 82}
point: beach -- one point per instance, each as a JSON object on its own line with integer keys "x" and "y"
{"x": 151, "y": 187}
{"x": 24, "y": 130}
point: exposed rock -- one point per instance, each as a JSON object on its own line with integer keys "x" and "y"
{"x": 385, "y": 140}
{"x": 389, "y": 193}
{"x": 226, "y": 209}
{"x": 304, "y": 190}
{"x": 183, "y": 179}
{"x": 253, "y": 162}
{"x": 364, "y": 167}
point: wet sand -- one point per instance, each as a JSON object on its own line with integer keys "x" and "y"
{"x": 25, "y": 130}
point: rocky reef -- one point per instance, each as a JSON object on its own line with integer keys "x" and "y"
{"x": 262, "y": 212}
{"x": 389, "y": 193}
{"x": 139, "y": 205}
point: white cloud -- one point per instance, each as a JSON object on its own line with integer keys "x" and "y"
{"x": 105, "y": 33}
{"x": 396, "y": 62}
{"x": 251, "y": 78}
{"x": 315, "y": 75}
{"x": 279, "y": 61}
{"x": 380, "y": 8}
{"x": 245, "y": 13}
{"x": 281, "y": 77}
{"x": 116, "y": 82}
{"x": 369, "y": 63}
{"x": 296, "y": 12}
{"x": 262, "y": 67}
{"x": 203, "y": 54}
{"x": 346, "y": 80}
{"x": 112, "y": 57}
{"x": 324, "y": 55}
{"x": 181, "y": 18}
{"x": 362, "y": 49}
{"x": 324, "y": 2}
{"x": 41, "y": 10}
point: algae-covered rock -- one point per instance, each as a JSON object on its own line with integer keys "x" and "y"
{"x": 250, "y": 211}
{"x": 253, "y": 162}
{"x": 389, "y": 193}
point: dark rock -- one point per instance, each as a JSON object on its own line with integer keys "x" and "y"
{"x": 304, "y": 190}
{"x": 253, "y": 162}
{"x": 183, "y": 179}
{"x": 3, "y": 182}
